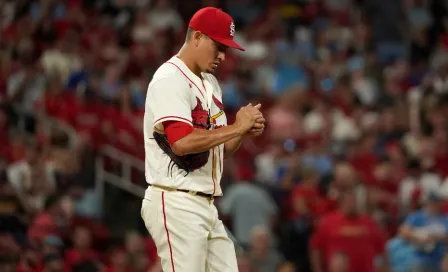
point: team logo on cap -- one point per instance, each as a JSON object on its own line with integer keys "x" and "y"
{"x": 232, "y": 29}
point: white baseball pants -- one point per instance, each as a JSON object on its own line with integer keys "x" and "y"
{"x": 188, "y": 233}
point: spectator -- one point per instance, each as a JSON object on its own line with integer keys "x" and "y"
{"x": 142, "y": 30}
{"x": 29, "y": 259}
{"x": 427, "y": 230}
{"x": 444, "y": 265}
{"x": 61, "y": 60}
{"x": 164, "y": 17}
{"x": 349, "y": 232}
{"x": 52, "y": 245}
{"x": 286, "y": 267}
{"x": 267, "y": 164}
{"x": 244, "y": 264}
{"x": 82, "y": 250}
{"x": 345, "y": 179}
{"x": 315, "y": 155}
{"x": 12, "y": 209}
{"x": 417, "y": 185}
{"x": 111, "y": 83}
{"x": 307, "y": 199}
{"x": 32, "y": 177}
{"x": 139, "y": 255}
{"x": 248, "y": 206}
{"x": 54, "y": 263}
{"x": 53, "y": 220}
{"x": 288, "y": 168}
{"x": 400, "y": 254}
{"x": 339, "y": 263}
{"x": 119, "y": 262}
{"x": 26, "y": 86}
{"x": 262, "y": 254}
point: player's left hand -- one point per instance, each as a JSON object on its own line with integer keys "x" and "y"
{"x": 256, "y": 131}
{"x": 258, "y": 127}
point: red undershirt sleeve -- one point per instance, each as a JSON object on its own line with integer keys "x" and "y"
{"x": 176, "y": 130}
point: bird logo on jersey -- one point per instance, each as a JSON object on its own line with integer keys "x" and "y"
{"x": 189, "y": 162}
{"x": 201, "y": 117}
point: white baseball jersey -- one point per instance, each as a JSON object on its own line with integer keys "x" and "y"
{"x": 177, "y": 94}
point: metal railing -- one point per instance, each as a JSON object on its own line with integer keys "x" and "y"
{"x": 102, "y": 174}
{"x": 124, "y": 179}
{"x": 49, "y": 124}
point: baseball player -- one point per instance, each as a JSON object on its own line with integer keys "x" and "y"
{"x": 186, "y": 139}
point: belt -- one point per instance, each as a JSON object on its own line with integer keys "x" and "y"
{"x": 169, "y": 189}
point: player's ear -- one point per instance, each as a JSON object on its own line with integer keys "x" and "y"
{"x": 197, "y": 35}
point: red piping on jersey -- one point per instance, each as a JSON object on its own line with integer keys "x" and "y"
{"x": 219, "y": 156}
{"x": 188, "y": 78}
{"x": 166, "y": 229}
{"x": 166, "y": 117}
{"x": 213, "y": 170}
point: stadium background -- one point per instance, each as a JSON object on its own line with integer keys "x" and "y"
{"x": 354, "y": 92}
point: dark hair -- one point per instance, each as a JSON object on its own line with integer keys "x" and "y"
{"x": 51, "y": 201}
{"x": 60, "y": 139}
{"x": 414, "y": 164}
{"x": 189, "y": 34}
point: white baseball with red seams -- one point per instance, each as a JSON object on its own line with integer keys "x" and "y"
{"x": 186, "y": 229}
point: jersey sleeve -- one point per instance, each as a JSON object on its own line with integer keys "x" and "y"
{"x": 176, "y": 130}
{"x": 168, "y": 100}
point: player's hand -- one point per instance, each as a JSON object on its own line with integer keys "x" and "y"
{"x": 258, "y": 127}
{"x": 247, "y": 116}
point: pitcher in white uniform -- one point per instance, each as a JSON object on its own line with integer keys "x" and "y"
{"x": 186, "y": 139}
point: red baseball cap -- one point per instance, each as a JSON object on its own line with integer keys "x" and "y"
{"x": 216, "y": 24}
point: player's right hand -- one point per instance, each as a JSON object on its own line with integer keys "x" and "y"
{"x": 247, "y": 116}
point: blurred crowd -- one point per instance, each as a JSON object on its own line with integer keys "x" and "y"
{"x": 350, "y": 175}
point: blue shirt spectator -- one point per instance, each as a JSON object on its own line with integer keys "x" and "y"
{"x": 401, "y": 254}
{"x": 429, "y": 224}
{"x": 320, "y": 162}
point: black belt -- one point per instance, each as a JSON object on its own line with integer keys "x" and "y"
{"x": 208, "y": 196}
{"x": 169, "y": 189}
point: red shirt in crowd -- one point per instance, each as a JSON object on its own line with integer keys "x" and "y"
{"x": 316, "y": 203}
{"x": 359, "y": 238}
{"x": 74, "y": 256}
{"x": 441, "y": 160}
{"x": 43, "y": 225}
{"x": 365, "y": 165}
{"x": 151, "y": 250}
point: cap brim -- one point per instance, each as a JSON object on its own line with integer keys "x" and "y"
{"x": 228, "y": 42}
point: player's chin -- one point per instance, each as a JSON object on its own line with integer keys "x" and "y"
{"x": 212, "y": 68}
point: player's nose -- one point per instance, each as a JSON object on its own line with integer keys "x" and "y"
{"x": 221, "y": 56}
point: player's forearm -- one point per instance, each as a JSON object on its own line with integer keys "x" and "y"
{"x": 201, "y": 140}
{"x": 232, "y": 146}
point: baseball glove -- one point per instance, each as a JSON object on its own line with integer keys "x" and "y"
{"x": 189, "y": 162}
